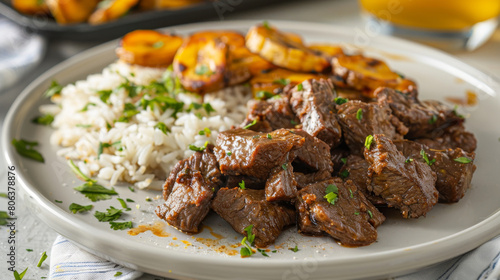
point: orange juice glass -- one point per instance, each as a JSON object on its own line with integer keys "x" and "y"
{"x": 461, "y": 23}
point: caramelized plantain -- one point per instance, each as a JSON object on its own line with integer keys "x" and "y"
{"x": 274, "y": 82}
{"x": 279, "y": 49}
{"x": 365, "y": 74}
{"x": 166, "y": 4}
{"x": 149, "y": 48}
{"x": 30, "y": 7}
{"x": 201, "y": 63}
{"x": 327, "y": 50}
{"x": 111, "y": 10}
{"x": 71, "y": 11}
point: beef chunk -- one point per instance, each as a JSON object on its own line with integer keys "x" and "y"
{"x": 270, "y": 115}
{"x": 304, "y": 179}
{"x": 356, "y": 169}
{"x": 245, "y": 152}
{"x": 241, "y": 208}
{"x": 313, "y": 104}
{"x": 453, "y": 177}
{"x": 351, "y": 219}
{"x": 421, "y": 118}
{"x": 359, "y": 119}
{"x": 407, "y": 186}
{"x": 281, "y": 184}
{"x": 250, "y": 182}
{"x": 188, "y": 191}
{"x": 338, "y": 155}
{"x": 450, "y": 138}
{"x": 314, "y": 153}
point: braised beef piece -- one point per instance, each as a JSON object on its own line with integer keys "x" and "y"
{"x": 241, "y": 208}
{"x": 421, "y": 117}
{"x": 188, "y": 191}
{"x": 351, "y": 219}
{"x": 314, "y": 153}
{"x": 356, "y": 169}
{"x": 359, "y": 119}
{"x": 281, "y": 184}
{"x": 304, "y": 179}
{"x": 405, "y": 185}
{"x": 454, "y": 168}
{"x": 314, "y": 106}
{"x": 339, "y": 155}
{"x": 270, "y": 115}
{"x": 245, "y": 152}
{"x": 250, "y": 182}
{"x": 450, "y": 138}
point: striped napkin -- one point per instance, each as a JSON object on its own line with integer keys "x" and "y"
{"x": 68, "y": 261}
{"x": 20, "y": 52}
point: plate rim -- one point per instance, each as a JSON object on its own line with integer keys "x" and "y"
{"x": 426, "y": 253}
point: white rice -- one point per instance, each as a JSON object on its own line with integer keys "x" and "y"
{"x": 147, "y": 154}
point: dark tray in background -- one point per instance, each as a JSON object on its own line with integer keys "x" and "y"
{"x": 47, "y": 26}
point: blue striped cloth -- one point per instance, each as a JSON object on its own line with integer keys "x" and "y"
{"x": 68, "y": 261}
{"x": 20, "y": 52}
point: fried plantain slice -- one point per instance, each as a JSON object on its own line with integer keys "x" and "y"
{"x": 327, "y": 49}
{"x": 366, "y": 74}
{"x": 279, "y": 49}
{"x": 166, "y": 4}
{"x": 148, "y": 48}
{"x": 30, "y": 7}
{"x": 266, "y": 85}
{"x": 71, "y": 11}
{"x": 111, "y": 10}
{"x": 200, "y": 63}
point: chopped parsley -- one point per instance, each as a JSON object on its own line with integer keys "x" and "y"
{"x": 95, "y": 192}
{"x": 120, "y": 225}
{"x": 343, "y": 160}
{"x": 110, "y": 215}
{"x": 433, "y": 119}
{"x": 463, "y": 160}
{"x": 26, "y": 149}
{"x": 344, "y": 174}
{"x": 43, "y": 120}
{"x": 356, "y": 213}
{"x": 269, "y": 136}
{"x": 284, "y": 166}
{"x": 242, "y": 185}
{"x": 77, "y": 208}
{"x": 263, "y": 252}
{"x": 54, "y": 89}
{"x": 86, "y": 107}
{"x": 352, "y": 195}
{"x": 58, "y": 201}
{"x": 129, "y": 200}
{"x": 300, "y": 87}
{"x": 340, "y": 100}
{"x": 368, "y": 141}
{"x": 118, "y": 273}
{"x": 247, "y": 242}
{"x": 359, "y": 114}
{"x": 131, "y": 188}
{"x": 29, "y": 250}
{"x": 198, "y": 149}
{"x": 282, "y": 82}
{"x": 426, "y": 158}
{"x": 229, "y": 154}
{"x": 294, "y": 249}
{"x": 18, "y": 276}
{"x": 206, "y": 131}
{"x": 42, "y": 259}
{"x": 104, "y": 95}
{"x": 263, "y": 94}
{"x": 331, "y": 194}
{"x": 123, "y": 203}
{"x": 163, "y": 128}
{"x": 202, "y": 70}
{"x": 370, "y": 213}
{"x": 250, "y": 124}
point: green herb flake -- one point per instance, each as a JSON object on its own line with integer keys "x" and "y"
{"x": 293, "y": 122}
{"x": 58, "y": 201}
{"x": 120, "y": 225}
{"x": 118, "y": 273}
{"x": 250, "y": 124}
{"x": 242, "y": 185}
{"x": 202, "y": 69}
{"x": 433, "y": 119}
{"x": 198, "y": 149}
{"x": 42, "y": 259}
{"x": 274, "y": 251}
{"x": 26, "y": 149}
{"x": 247, "y": 242}
{"x": 300, "y": 87}
{"x": 263, "y": 94}
{"x": 245, "y": 252}
{"x": 368, "y": 141}
{"x": 463, "y": 160}
{"x": 331, "y": 194}
{"x": 340, "y": 100}
{"x": 269, "y": 136}
{"x": 208, "y": 108}
{"x": 77, "y": 208}
{"x": 163, "y": 128}
{"x": 148, "y": 199}
{"x": 282, "y": 82}
{"x": 343, "y": 160}
{"x": 2, "y": 194}
{"x": 43, "y": 120}
{"x": 129, "y": 200}
{"x": 84, "y": 125}
{"x": 18, "y": 276}
{"x": 408, "y": 160}
{"x": 104, "y": 95}
{"x": 356, "y": 213}
{"x": 359, "y": 114}
{"x": 370, "y": 213}
{"x": 263, "y": 252}
{"x": 294, "y": 249}
{"x": 131, "y": 188}
{"x": 352, "y": 195}
{"x": 95, "y": 192}
{"x": 206, "y": 131}
{"x": 284, "y": 166}
{"x": 29, "y": 250}
{"x": 266, "y": 25}
{"x": 229, "y": 154}
{"x": 54, "y": 89}
{"x": 122, "y": 203}
{"x": 344, "y": 174}
{"x": 426, "y": 158}
{"x": 78, "y": 172}
{"x": 110, "y": 215}
{"x": 86, "y": 107}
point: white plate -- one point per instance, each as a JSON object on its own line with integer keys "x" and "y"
{"x": 402, "y": 246}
